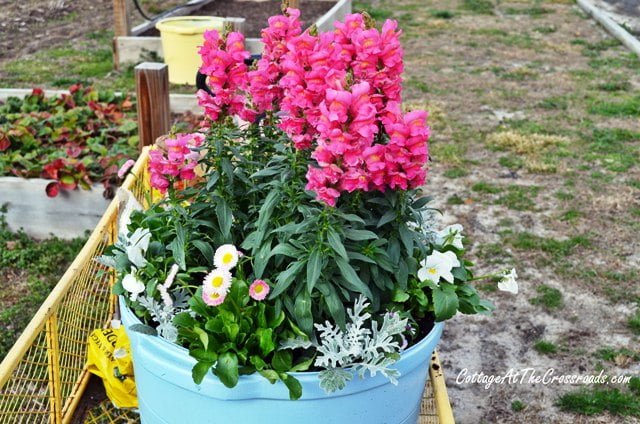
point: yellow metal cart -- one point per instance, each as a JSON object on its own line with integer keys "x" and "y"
{"x": 44, "y": 376}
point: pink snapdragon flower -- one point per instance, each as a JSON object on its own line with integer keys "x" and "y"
{"x": 223, "y": 63}
{"x": 125, "y": 168}
{"x": 179, "y": 164}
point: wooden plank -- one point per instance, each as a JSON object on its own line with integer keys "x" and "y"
{"x": 121, "y": 22}
{"x": 195, "y": 5}
{"x": 611, "y": 26}
{"x": 152, "y": 94}
{"x": 131, "y": 49}
{"x": 66, "y": 216}
{"x": 179, "y": 103}
{"x": 337, "y": 13}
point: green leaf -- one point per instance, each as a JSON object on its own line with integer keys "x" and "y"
{"x": 224, "y": 215}
{"x": 459, "y": 273}
{"x": 257, "y": 362}
{"x": 302, "y": 312}
{"x": 359, "y": 235}
{"x": 203, "y": 336}
{"x": 265, "y": 339}
{"x": 303, "y": 366}
{"x": 336, "y": 244}
{"x": 227, "y": 169}
{"x": 206, "y": 250}
{"x": 445, "y": 301}
{"x": 199, "y": 370}
{"x": 231, "y": 330}
{"x": 267, "y": 209}
{"x": 227, "y": 369}
{"x": 184, "y": 319}
{"x": 285, "y": 249}
{"x": 143, "y": 329}
{"x": 266, "y": 172}
{"x": 399, "y": 296}
{"x": 360, "y": 257}
{"x": 261, "y": 258}
{"x": 285, "y": 278}
{"x": 204, "y": 355}
{"x": 282, "y": 360}
{"x": 421, "y": 202}
{"x": 386, "y": 218}
{"x": 407, "y": 238}
{"x": 177, "y": 247}
{"x": 335, "y": 305}
{"x": 270, "y": 375}
{"x": 353, "y": 282}
{"x": 294, "y": 386}
{"x": 351, "y": 217}
{"x": 314, "y": 266}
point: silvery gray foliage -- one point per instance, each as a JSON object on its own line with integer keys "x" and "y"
{"x": 361, "y": 347}
{"x": 163, "y": 314}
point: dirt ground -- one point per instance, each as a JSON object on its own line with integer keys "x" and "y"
{"x": 31, "y": 25}
{"x": 536, "y": 152}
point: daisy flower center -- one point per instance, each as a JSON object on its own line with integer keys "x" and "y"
{"x": 258, "y": 288}
{"x": 217, "y": 281}
{"x": 432, "y": 270}
{"x": 227, "y": 258}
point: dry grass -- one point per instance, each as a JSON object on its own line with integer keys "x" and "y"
{"x": 529, "y": 144}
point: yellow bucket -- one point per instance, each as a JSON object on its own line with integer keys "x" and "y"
{"x": 181, "y": 37}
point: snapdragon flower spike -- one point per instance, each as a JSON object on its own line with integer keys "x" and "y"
{"x": 179, "y": 164}
{"x": 223, "y": 63}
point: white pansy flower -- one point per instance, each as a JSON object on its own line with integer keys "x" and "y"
{"x": 438, "y": 265}
{"x": 508, "y": 282}
{"x": 226, "y": 256}
{"x": 137, "y": 245}
{"x": 133, "y": 285}
{"x": 455, "y": 263}
{"x": 450, "y": 235}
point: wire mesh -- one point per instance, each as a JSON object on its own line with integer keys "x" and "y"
{"x": 43, "y": 377}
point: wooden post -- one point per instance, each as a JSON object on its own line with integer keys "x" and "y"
{"x": 294, "y": 4}
{"x": 152, "y": 89}
{"x": 121, "y": 23}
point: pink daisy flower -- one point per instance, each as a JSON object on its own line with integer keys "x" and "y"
{"x": 258, "y": 290}
{"x": 212, "y": 298}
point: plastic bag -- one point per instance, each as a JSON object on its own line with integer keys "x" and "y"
{"x": 109, "y": 357}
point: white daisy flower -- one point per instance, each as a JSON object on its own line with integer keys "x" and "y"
{"x": 218, "y": 281}
{"x": 226, "y": 256}
{"x": 508, "y": 282}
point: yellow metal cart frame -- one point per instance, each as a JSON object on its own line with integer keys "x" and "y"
{"x": 44, "y": 375}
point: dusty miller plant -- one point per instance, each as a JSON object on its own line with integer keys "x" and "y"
{"x": 359, "y": 348}
{"x": 163, "y": 314}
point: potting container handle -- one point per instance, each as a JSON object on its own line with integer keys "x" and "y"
{"x": 201, "y": 79}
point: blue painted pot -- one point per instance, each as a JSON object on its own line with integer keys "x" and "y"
{"x": 168, "y": 395}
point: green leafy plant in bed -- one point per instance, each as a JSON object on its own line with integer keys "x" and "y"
{"x": 74, "y": 139}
